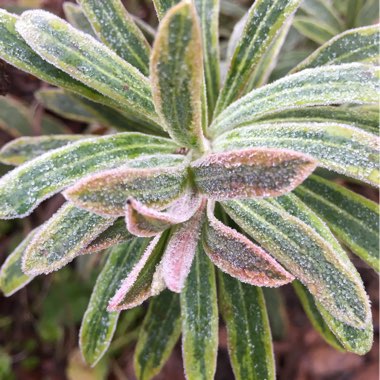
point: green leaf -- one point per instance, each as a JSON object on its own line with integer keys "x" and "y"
{"x": 313, "y": 29}
{"x": 250, "y": 173}
{"x": 116, "y": 29}
{"x": 87, "y": 60}
{"x": 61, "y": 239}
{"x": 311, "y": 87}
{"x": 23, "y": 149}
{"x": 248, "y": 332}
{"x": 158, "y": 335}
{"x": 306, "y": 248}
{"x": 12, "y": 278}
{"x": 75, "y": 16}
{"x": 98, "y": 324}
{"x": 199, "y": 311}
{"x": 337, "y": 147}
{"x": 265, "y": 19}
{"x": 24, "y": 188}
{"x": 177, "y": 75}
{"x": 355, "y": 45}
{"x": 353, "y": 218}
{"x": 162, "y": 6}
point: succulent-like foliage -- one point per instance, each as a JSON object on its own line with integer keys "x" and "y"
{"x": 207, "y": 189}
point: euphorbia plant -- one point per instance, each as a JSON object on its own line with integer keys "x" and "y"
{"x": 221, "y": 176}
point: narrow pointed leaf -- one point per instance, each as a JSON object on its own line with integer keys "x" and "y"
{"x": 116, "y": 29}
{"x": 106, "y": 193}
{"x": 199, "y": 311}
{"x": 177, "y": 75}
{"x": 24, "y": 188}
{"x": 180, "y": 251}
{"x": 248, "y": 332}
{"x": 313, "y": 29}
{"x": 236, "y": 255}
{"x": 158, "y": 335}
{"x": 12, "y": 278}
{"x": 87, "y": 60}
{"x": 265, "y": 19}
{"x": 319, "y": 263}
{"x": 98, "y": 324}
{"x": 319, "y": 86}
{"x": 75, "y": 16}
{"x": 162, "y": 6}
{"x": 61, "y": 239}
{"x": 251, "y": 173}
{"x": 137, "y": 285}
{"x": 353, "y": 218}
{"x": 354, "y": 45}
{"x": 338, "y": 147}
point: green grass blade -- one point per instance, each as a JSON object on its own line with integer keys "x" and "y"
{"x": 248, "y": 332}
{"x": 199, "y": 312}
{"x": 319, "y": 86}
{"x": 177, "y": 75}
{"x": 75, "y": 16}
{"x": 353, "y": 218}
{"x": 158, "y": 335}
{"x": 24, "y": 188}
{"x": 308, "y": 251}
{"x": 116, "y": 29}
{"x": 313, "y": 29}
{"x": 162, "y": 6}
{"x": 98, "y": 324}
{"x": 265, "y": 19}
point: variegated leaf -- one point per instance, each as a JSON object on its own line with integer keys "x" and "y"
{"x": 300, "y": 241}
{"x": 248, "y": 332}
{"x": 61, "y": 239}
{"x": 98, "y": 324}
{"x": 313, "y": 29}
{"x": 115, "y": 28}
{"x": 177, "y": 75}
{"x": 137, "y": 285}
{"x": 75, "y": 16}
{"x": 338, "y": 147}
{"x": 106, "y": 193}
{"x": 12, "y": 278}
{"x": 319, "y": 86}
{"x": 236, "y": 255}
{"x": 251, "y": 173}
{"x": 199, "y": 311}
{"x": 87, "y": 60}
{"x": 24, "y": 188}
{"x": 158, "y": 335}
{"x": 162, "y": 6}
{"x": 353, "y": 218}
{"x": 265, "y": 19}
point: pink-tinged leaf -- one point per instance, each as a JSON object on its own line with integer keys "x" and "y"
{"x": 180, "y": 251}
{"x": 236, "y": 255}
{"x": 257, "y": 172}
{"x": 146, "y": 222}
{"x": 141, "y": 283}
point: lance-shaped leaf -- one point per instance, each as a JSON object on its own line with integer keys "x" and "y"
{"x": 116, "y": 29}
{"x": 199, "y": 311}
{"x": 251, "y": 173}
{"x": 236, "y": 255}
{"x": 24, "y": 188}
{"x": 25, "y": 149}
{"x": 106, "y": 193}
{"x": 319, "y": 86}
{"x": 12, "y": 278}
{"x": 98, "y": 324}
{"x": 355, "y": 45}
{"x": 75, "y": 16}
{"x": 144, "y": 221}
{"x": 162, "y": 6}
{"x": 313, "y": 258}
{"x": 180, "y": 251}
{"x": 265, "y": 19}
{"x": 61, "y": 239}
{"x": 353, "y": 218}
{"x": 113, "y": 235}
{"x": 158, "y": 335}
{"x": 248, "y": 332}
{"x": 177, "y": 75}
{"x": 137, "y": 286}
{"x": 313, "y": 29}
{"x": 87, "y": 60}
{"x": 338, "y": 147}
